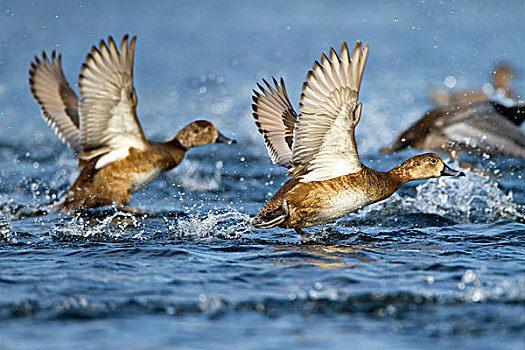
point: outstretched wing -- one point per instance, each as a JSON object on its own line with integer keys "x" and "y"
{"x": 109, "y": 123}
{"x": 58, "y": 101}
{"x": 324, "y": 143}
{"x": 275, "y": 119}
{"x": 481, "y": 125}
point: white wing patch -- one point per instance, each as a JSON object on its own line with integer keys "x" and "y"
{"x": 324, "y": 143}
{"x": 112, "y": 156}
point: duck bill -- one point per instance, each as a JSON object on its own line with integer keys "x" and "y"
{"x": 223, "y": 139}
{"x": 448, "y": 171}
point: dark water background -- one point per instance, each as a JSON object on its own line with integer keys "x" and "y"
{"x": 439, "y": 265}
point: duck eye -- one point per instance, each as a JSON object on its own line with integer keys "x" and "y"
{"x": 433, "y": 160}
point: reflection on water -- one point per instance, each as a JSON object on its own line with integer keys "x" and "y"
{"x": 326, "y": 257}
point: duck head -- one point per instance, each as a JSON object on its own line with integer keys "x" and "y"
{"x": 200, "y": 133}
{"x": 425, "y": 166}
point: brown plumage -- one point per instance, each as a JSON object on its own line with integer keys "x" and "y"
{"x": 306, "y": 204}
{"x": 328, "y": 179}
{"x": 115, "y": 157}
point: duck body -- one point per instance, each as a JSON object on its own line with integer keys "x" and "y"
{"x": 318, "y": 147}
{"x": 478, "y": 127}
{"x": 114, "y": 183}
{"x": 115, "y": 157}
{"x": 313, "y": 203}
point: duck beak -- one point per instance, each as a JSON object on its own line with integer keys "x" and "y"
{"x": 223, "y": 139}
{"x": 448, "y": 171}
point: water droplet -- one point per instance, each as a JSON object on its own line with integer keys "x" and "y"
{"x": 468, "y": 277}
{"x": 450, "y": 81}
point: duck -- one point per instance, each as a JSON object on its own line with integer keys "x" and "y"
{"x": 480, "y": 127}
{"x": 501, "y": 74}
{"x": 317, "y": 146}
{"x": 102, "y": 127}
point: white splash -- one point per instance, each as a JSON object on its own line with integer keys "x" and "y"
{"x": 117, "y": 225}
{"x": 5, "y": 231}
{"x": 190, "y": 177}
{"x": 231, "y": 225}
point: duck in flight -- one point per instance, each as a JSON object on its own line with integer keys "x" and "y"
{"x": 480, "y": 127}
{"x": 328, "y": 180}
{"x": 115, "y": 157}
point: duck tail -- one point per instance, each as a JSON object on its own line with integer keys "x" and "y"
{"x": 258, "y": 222}
{"x": 271, "y": 218}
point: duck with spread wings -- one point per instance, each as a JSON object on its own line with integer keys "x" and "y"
{"x": 318, "y": 147}
{"x": 103, "y": 129}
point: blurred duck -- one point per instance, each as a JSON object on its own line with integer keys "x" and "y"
{"x": 102, "y": 128}
{"x": 478, "y": 127}
{"x": 318, "y": 147}
{"x": 501, "y": 79}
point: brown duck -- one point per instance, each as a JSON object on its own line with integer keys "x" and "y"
{"x": 102, "y": 128}
{"x": 318, "y": 146}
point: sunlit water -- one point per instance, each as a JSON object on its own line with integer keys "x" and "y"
{"x": 439, "y": 265}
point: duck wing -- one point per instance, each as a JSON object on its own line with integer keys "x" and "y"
{"x": 58, "y": 101}
{"x": 481, "y": 126}
{"x": 109, "y": 123}
{"x": 275, "y": 119}
{"x": 324, "y": 142}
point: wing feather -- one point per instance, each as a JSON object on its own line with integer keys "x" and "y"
{"x": 58, "y": 101}
{"x": 324, "y": 143}
{"x": 275, "y": 119}
{"x": 480, "y": 125}
{"x": 109, "y": 120}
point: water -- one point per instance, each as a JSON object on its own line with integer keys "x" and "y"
{"x": 439, "y": 265}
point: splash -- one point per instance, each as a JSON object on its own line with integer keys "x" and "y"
{"x": 190, "y": 177}
{"x": 117, "y": 225}
{"x": 475, "y": 198}
{"x": 230, "y": 225}
{"x": 5, "y": 231}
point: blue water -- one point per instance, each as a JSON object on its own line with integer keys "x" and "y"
{"x": 439, "y": 265}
